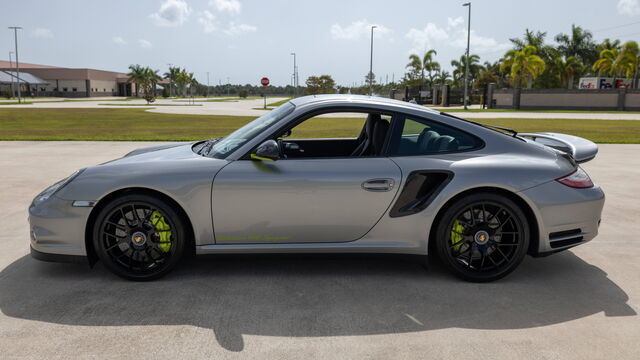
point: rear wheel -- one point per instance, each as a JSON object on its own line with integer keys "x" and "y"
{"x": 139, "y": 237}
{"x": 482, "y": 237}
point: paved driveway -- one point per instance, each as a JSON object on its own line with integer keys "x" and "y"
{"x": 580, "y": 304}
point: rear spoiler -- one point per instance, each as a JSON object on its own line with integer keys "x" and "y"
{"x": 582, "y": 150}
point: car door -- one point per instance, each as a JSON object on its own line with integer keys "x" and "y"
{"x": 302, "y": 200}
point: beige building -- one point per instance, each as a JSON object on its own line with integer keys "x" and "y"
{"x": 67, "y": 82}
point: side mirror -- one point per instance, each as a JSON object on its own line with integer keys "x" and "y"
{"x": 267, "y": 151}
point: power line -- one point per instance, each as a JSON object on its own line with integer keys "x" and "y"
{"x": 616, "y": 27}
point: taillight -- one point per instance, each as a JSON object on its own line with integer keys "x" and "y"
{"x": 577, "y": 179}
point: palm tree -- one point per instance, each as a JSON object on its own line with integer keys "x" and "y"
{"x": 182, "y": 79}
{"x": 429, "y": 65}
{"x": 608, "y": 63}
{"x": 623, "y": 62}
{"x": 459, "y": 67}
{"x": 415, "y": 66}
{"x": 172, "y": 75}
{"x": 443, "y": 76}
{"x": 566, "y": 69}
{"x": 579, "y": 44}
{"x": 608, "y": 44}
{"x": 136, "y": 76}
{"x": 523, "y": 63}
{"x": 150, "y": 79}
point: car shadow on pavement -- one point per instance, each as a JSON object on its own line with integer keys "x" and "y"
{"x": 308, "y": 296}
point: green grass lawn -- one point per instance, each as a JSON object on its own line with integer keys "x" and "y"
{"x": 138, "y": 124}
{"x": 278, "y": 103}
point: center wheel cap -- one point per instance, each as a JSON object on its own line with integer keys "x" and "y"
{"x": 138, "y": 238}
{"x": 481, "y": 237}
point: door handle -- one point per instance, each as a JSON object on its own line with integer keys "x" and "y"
{"x": 378, "y": 184}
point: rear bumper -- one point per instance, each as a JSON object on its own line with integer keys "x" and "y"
{"x": 567, "y": 217}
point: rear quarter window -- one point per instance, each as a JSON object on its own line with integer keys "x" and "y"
{"x": 418, "y": 136}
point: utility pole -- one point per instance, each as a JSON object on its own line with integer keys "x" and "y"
{"x": 370, "y": 77}
{"x": 466, "y": 68}
{"x": 15, "y": 33}
{"x": 295, "y": 76}
{"x": 11, "y": 66}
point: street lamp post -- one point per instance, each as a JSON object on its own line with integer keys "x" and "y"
{"x": 15, "y": 33}
{"x": 466, "y": 68}
{"x": 295, "y": 75}
{"x": 11, "y": 66}
{"x": 370, "y": 76}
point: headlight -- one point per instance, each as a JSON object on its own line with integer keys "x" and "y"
{"x": 46, "y": 194}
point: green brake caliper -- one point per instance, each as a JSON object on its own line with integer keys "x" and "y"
{"x": 160, "y": 224}
{"x": 456, "y": 235}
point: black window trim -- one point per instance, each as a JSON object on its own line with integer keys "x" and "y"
{"x": 397, "y": 127}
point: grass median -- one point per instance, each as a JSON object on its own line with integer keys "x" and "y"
{"x": 139, "y": 124}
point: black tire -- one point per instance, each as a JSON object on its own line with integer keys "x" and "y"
{"x": 139, "y": 237}
{"x": 482, "y": 237}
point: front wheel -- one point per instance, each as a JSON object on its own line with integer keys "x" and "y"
{"x": 482, "y": 237}
{"x": 139, "y": 237}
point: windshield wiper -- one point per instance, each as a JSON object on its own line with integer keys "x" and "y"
{"x": 207, "y": 146}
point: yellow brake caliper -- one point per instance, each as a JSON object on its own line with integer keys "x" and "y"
{"x": 161, "y": 225}
{"x": 456, "y": 235}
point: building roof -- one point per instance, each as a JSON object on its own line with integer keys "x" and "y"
{"x": 8, "y": 65}
{"x": 7, "y": 77}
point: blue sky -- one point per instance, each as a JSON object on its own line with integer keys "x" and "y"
{"x": 247, "y": 39}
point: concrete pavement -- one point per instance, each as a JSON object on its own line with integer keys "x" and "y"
{"x": 580, "y": 304}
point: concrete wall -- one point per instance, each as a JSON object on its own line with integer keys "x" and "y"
{"x": 569, "y": 99}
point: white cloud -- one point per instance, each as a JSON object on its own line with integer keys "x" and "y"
{"x": 454, "y": 23}
{"x": 230, "y": 6}
{"x": 479, "y": 44}
{"x": 423, "y": 39}
{"x": 42, "y": 33}
{"x": 357, "y": 30}
{"x": 234, "y": 29}
{"x": 208, "y": 21}
{"x": 145, "y": 44}
{"x": 118, "y": 40}
{"x": 628, "y": 7}
{"x": 171, "y": 13}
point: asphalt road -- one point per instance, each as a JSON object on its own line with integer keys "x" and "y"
{"x": 580, "y": 304}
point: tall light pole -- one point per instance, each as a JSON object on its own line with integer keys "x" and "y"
{"x": 370, "y": 76}
{"x": 10, "y": 66}
{"x": 15, "y": 33}
{"x": 466, "y": 68}
{"x": 295, "y": 75}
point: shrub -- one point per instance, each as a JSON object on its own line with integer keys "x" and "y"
{"x": 243, "y": 94}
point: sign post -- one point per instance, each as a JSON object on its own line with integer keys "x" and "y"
{"x": 265, "y": 82}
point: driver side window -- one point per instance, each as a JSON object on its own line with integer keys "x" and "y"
{"x": 337, "y": 134}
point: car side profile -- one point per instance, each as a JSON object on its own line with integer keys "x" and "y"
{"x": 329, "y": 174}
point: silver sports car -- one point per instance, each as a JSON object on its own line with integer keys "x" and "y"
{"x": 329, "y": 174}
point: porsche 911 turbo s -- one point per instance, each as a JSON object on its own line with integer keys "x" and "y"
{"x": 329, "y": 174}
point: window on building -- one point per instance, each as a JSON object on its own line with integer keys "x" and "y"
{"x": 104, "y": 90}
{"x": 74, "y": 89}
{"x": 64, "y": 89}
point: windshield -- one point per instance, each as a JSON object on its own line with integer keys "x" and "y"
{"x": 235, "y": 140}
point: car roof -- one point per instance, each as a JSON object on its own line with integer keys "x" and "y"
{"x": 359, "y": 99}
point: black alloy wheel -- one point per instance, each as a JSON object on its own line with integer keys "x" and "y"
{"x": 139, "y": 237}
{"x": 482, "y": 237}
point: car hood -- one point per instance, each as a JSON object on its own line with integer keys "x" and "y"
{"x": 166, "y": 168}
{"x": 147, "y": 149}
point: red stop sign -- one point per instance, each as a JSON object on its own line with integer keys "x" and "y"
{"x": 264, "y": 81}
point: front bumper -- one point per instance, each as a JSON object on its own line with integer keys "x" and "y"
{"x": 58, "y": 228}
{"x": 567, "y": 217}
